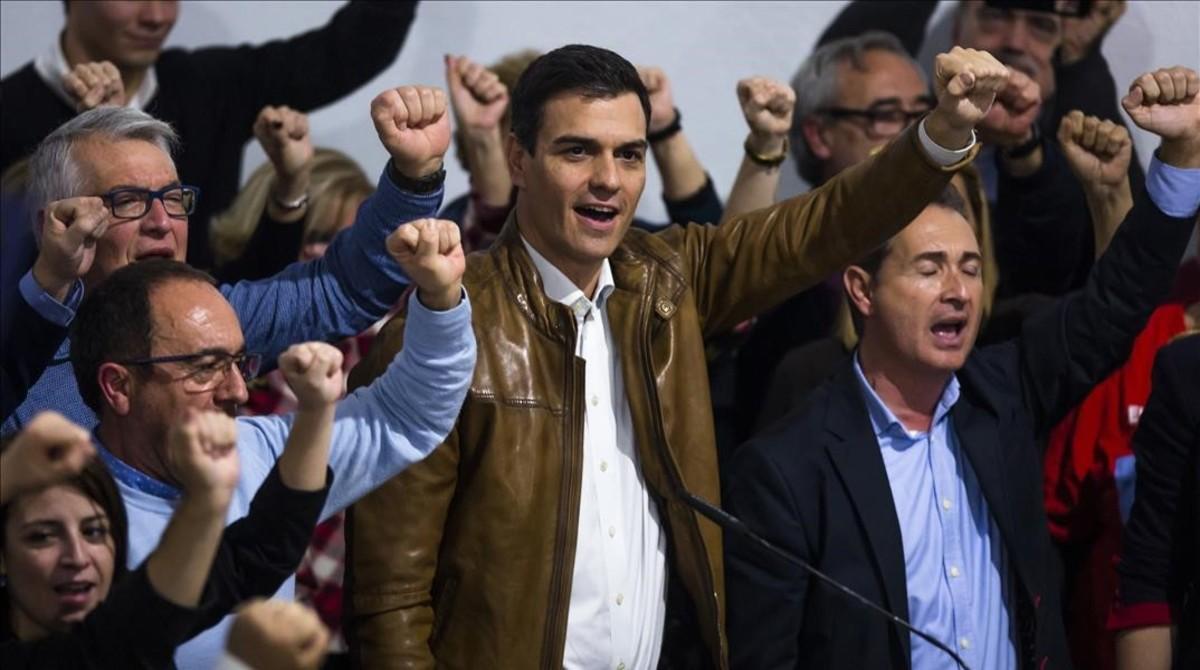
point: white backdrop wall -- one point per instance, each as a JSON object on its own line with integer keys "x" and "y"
{"x": 704, "y": 47}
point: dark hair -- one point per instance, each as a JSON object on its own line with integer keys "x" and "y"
{"x": 114, "y": 322}
{"x": 576, "y": 68}
{"x": 949, "y": 199}
{"x": 97, "y": 485}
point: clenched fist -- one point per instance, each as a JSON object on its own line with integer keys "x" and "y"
{"x": 202, "y": 453}
{"x": 414, "y": 128}
{"x": 767, "y": 105}
{"x": 662, "y": 103}
{"x": 70, "y": 230}
{"x": 1098, "y": 152}
{"x": 278, "y": 634}
{"x": 50, "y": 449}
{"x": 1010, "y": 121}
{"x": 95, "y": 84}
{"x": 966, "y": 82}
{"x": 1166, "y": 102}
{"x": 478, "y": 96}
{"x": 283, "y": 134}
{"x": 430, "y": 252}
{"x": 314, "y": 372}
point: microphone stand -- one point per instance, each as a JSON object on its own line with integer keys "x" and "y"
{"x": 731, "y": 523}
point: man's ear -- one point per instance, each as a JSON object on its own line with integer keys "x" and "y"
{"x": 814, "y": 135}
{"x": 116, "y": 383}
{"x": 857, "y": 283}
{"x": 516, "y": 166}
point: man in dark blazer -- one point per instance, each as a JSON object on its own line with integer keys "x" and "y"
{"x": 913, "y": 476}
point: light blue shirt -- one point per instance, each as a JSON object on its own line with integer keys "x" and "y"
{"x": 378, "y": 431}
{"x": 957, "y": 572}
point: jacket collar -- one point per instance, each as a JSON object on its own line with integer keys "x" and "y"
{"x": 855, "y": 455}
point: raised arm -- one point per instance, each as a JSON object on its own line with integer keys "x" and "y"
{"x": 50, "y": 449}
{"x": 757, "y": 260}
{"x": 1066, "y": 351}
{"x": 1098, "y": 153}
{"x": 479, "y": 100}
{"x": 357, "y": 281}
{"x": 767, "y": 105}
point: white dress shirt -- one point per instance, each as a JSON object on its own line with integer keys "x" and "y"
{"x": 52, "y": 66}
{"x": 618, "y": 588}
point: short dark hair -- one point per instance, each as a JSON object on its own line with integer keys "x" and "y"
{"x": 115, "y": 323}
{"x": 949, "y": 199}
{"x": 586, "y": 70}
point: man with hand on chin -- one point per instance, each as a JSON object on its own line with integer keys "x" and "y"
{"x": 550, "y": 531}
{"x": 914, "y": 475}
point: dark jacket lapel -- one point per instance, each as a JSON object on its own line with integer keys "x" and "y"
{"x": 855, "y": 455}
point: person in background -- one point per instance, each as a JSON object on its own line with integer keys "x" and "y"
{"x": 1156, "y": 616}
{"x": 210, "y": 96}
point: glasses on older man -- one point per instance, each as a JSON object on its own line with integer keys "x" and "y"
{"x": 206, "y": 370}
{"x": 134, "y": 203}
{"x": 883, "y": 121}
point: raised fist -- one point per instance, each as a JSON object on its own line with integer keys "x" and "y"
{"x": 1097, "y": 151}
{"x": 278, "y": 634}
{"x": 662, "y": 104}
{"x": 202, "y": 454}
{"x": 966, "y": 82}
{"x": 1010, "y": 121}
{"x": 478, "y": 96}
{"x": 430, "y": 252}
{"x": 1080, "y": 35}
{"x": 50, "y": 449}
{"x": 95, "y": 84}
{"x": 767, "y": 105}
{"x": 314, "y": 371}
{"x": 1165, "y": 102}
{"x": 70, "y": 230}
{"x": 414, "y": 128}
{"x": 283, "y": 134}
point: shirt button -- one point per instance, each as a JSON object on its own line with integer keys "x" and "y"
{"x": 945, "y": 503}
{"x": 621, "y": 599}
{"x": 612, "y": 531}
{"x": 603, "y": 466}
{"x": 620, "y": 666}
{"x": 964, "y": 643}
{"x": 954, "y": 571}
{"x": 595, "y": 400}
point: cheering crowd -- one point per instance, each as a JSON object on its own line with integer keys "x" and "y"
{"x": 329, "y": 421}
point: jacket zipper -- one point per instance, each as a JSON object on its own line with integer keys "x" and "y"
{"x": 573, "y": 442}
{"x": 665, "y": 457}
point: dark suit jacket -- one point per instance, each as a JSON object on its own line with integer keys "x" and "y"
{"x": 817, "y": 484}
{"x": 1160, "y": 559}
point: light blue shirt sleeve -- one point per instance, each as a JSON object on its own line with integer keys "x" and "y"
{"x": 1175, "y": 191}
{"x": 340, "y": 294}
{"x": 381, "y": 429}
{"x": 58, "y": 313}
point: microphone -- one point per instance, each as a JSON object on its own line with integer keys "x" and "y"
{"x": 732, "y": 524}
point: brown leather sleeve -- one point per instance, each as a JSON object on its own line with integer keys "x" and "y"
{"x": 759, "y": 259}
{"x": 392, "y": 540}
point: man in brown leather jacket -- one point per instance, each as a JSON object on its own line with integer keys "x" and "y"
{"x": 548, "y": 530}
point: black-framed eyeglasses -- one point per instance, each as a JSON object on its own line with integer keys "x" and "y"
{"x": 207, "y": 369}
{"x": 133, "y": 203}
{"x": 880, "y": 122}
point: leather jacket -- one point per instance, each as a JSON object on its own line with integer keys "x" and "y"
{"x": 465, "y": 559}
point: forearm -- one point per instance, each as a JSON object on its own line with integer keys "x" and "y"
{"x": 756, "y": 184}
{"x": 1108, "y": 208}
{"x": 179, "y": 566}
{"x": 288, "y": 189}
{"x": 1145, "y": 648}
{"x": 302, "y": 465}
{"x": 490, "y": 181}
{"x": 682, "y": 173}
